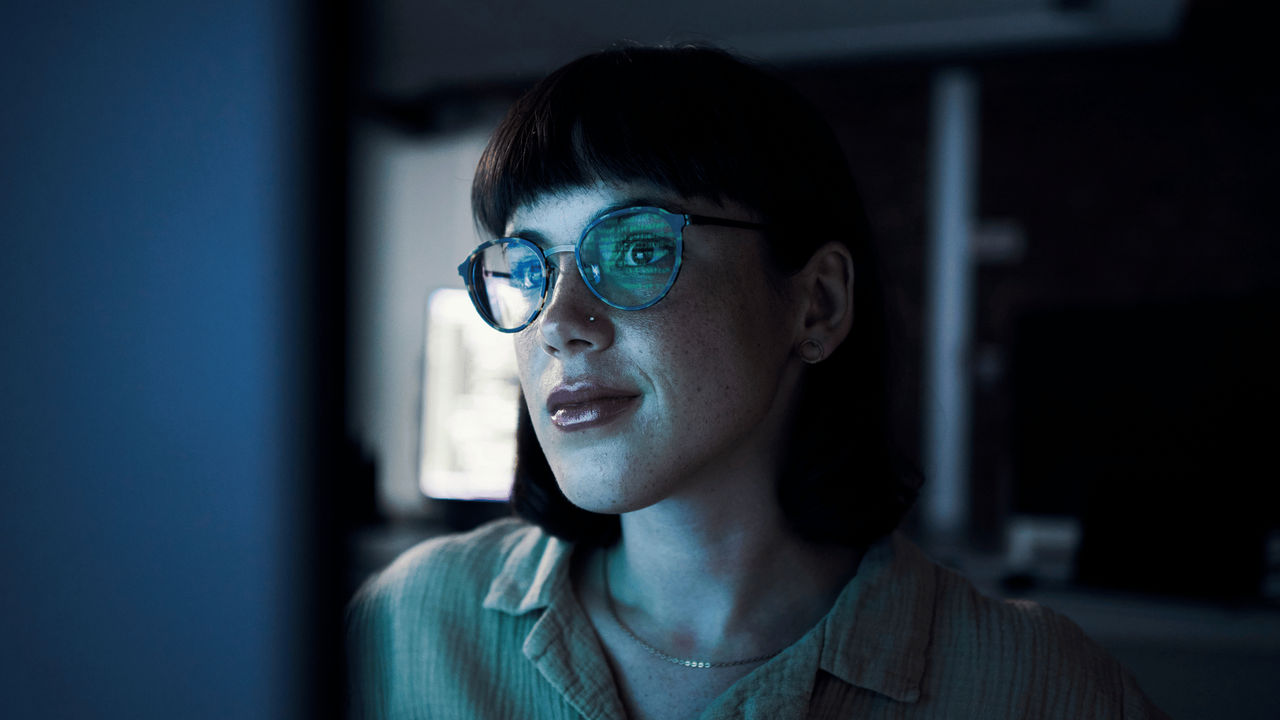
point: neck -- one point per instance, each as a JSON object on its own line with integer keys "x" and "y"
{"x": 724, "y": 578}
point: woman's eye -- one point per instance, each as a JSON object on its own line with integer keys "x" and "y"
{"x": 526, "y": 276}
{"x": 638, "y": 252}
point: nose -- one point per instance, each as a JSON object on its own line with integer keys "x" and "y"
{"x": 573, "y": 319}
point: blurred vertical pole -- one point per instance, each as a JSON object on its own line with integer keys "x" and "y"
{"x": 953, "y": 177}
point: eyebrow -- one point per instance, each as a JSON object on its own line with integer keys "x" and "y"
{"x": 634, "y": 201}
{"x": 641, "y": 201}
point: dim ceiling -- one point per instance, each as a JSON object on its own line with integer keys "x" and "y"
{"x": 420, "y": 45}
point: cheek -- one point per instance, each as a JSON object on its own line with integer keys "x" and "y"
{"x": 713, "y": 349}
{"x": 527, "y": 358}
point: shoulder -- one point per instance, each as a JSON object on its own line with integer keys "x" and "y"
{"x": 965, "y": 618}
{"x": 425, "y": 620}
{"x": 1027, "y": 657}
{"x": 446, "y": 571}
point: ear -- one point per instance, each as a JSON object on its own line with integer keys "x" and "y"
{"x": 826, "y": 295}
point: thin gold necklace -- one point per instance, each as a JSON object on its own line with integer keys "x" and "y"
{"x": 699, "y": 664}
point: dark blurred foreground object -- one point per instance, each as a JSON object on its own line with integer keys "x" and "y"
{"x": 1151, "y": 425}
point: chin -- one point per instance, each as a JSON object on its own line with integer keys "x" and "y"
{"x": 605, "y": 495}
{"x": 601, "y": 477}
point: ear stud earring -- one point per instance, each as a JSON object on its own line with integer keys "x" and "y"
{"x": 812, "y": 351}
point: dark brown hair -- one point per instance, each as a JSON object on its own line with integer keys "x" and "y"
{"x": 702, "y": 123}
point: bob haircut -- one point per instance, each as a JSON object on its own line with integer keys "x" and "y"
{"x": 701, "y": 123}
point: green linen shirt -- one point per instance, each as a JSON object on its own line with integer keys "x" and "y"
{"x": 486, "y": 625}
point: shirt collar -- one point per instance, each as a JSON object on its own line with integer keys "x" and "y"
{"x": 535, "y": 566}
{"x": 878, "y": 632}
{"x": 875, "y": 637}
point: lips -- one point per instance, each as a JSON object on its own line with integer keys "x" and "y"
{"x": 583, "y": 404}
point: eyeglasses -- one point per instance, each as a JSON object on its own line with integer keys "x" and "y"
{"x": 628, "y": 258}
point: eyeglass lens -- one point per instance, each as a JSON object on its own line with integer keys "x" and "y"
{"x": 628, "y": 260}
{"x": 509, "y": 280}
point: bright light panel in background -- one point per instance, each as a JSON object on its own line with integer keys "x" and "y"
{"x": 470, "y": 394}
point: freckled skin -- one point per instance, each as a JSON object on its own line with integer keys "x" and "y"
{"x": 712, "y": 361}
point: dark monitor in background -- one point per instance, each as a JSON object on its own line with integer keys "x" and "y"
{"x": 1156, "y": 427}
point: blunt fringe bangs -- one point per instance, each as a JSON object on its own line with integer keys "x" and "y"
{"x": 701, "y": 123}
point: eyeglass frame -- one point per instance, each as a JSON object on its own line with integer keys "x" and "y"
{"x": 677, "y": 221}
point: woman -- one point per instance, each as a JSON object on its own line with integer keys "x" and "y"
{"x": 705, "y": 486}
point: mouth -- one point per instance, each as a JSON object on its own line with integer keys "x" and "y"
{"x": 581, "y": 405}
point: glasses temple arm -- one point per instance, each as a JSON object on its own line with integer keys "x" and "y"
{"x": 724, "y": 222}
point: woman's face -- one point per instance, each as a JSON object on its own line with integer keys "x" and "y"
{"x": 637, "y": 406}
